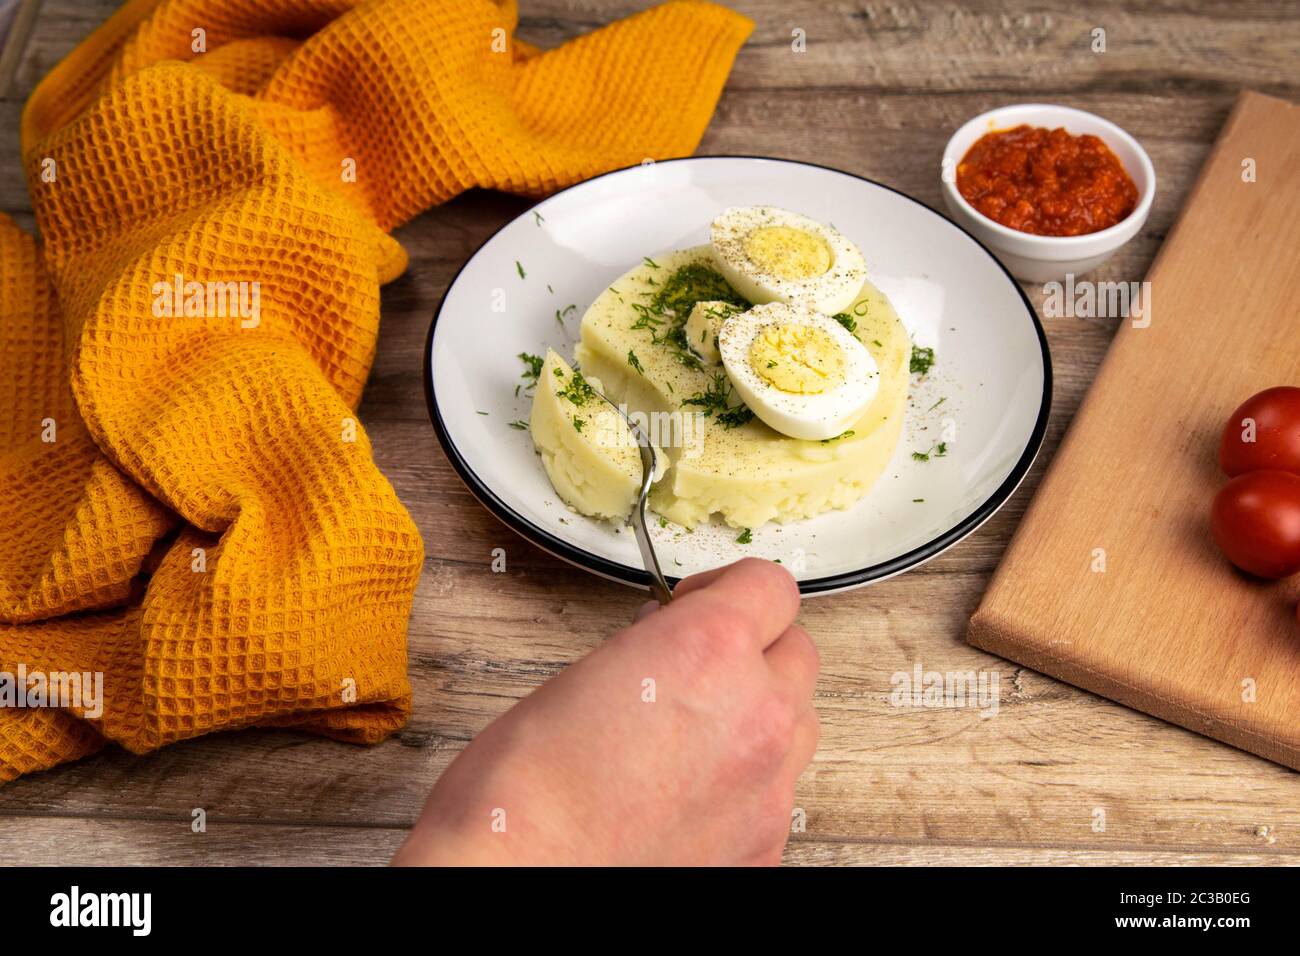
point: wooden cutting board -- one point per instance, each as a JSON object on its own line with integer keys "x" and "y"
{"x": 1113, "y": 582}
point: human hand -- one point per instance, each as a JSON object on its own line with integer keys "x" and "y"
{"x": 677, "y": 742}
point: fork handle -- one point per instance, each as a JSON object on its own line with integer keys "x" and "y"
{"x": 659, "y": 589}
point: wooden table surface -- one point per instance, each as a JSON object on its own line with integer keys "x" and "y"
{"x": 878, "y": 91}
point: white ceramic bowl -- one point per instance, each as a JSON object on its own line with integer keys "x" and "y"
{"x": 1044, "y": 258}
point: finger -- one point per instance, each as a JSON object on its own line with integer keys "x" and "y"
{"x": 794, "y": 661}
{"x": 696, "y": 581}
{"x": 803, "y": 746}
{"x": 752, "y": 598}
{"x": 646, "y": 609}
{"x": 705, "y": 578}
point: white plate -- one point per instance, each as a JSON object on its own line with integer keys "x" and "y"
{"x": 990, "y": 387}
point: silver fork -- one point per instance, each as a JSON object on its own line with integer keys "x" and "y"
{"x": 659, "y": 589}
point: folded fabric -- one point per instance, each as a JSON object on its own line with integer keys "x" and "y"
{"x": 188, "y": 504}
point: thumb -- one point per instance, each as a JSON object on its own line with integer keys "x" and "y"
{"x": 646, "y": 609}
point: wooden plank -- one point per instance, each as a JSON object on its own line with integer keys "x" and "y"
{"x": 810, "y": 853}
{"x": 61, "y": 841}
{"x": 60, "y": 26}
{"x": 13, "y": 184}
{"x": 56, "y": 841}
{"x": 1011, "y": 48}
{"x": 996, "y": 46}
{"x": 17, "y": 17}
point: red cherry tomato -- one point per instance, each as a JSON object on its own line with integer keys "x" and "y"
{"x": 1256, "y": 522}
{"x": 1263, "y": 433}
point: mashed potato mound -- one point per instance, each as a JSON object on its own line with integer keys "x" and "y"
{"x": 589, "y": 454}
{"x": 721, "y": 463}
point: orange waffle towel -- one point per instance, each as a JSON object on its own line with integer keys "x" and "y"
{"x": 187, "y": 503}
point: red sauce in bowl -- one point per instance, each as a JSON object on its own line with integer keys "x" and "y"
{"x": 1046, "y": 182}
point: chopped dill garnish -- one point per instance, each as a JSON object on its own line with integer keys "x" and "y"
{"x": 877, "y": 343}
{"x": 480, "y": 413}
{"x": 861, "y": 308}
{"x": 650, "y": 262}
{"x": 922, "y": 360}
{"x": 937, "y": 404}
{"x": 681, "y": 349}
{"x": 665, "y": 315}
{"x": 920, "y": 456}
{"x": 578, "y": 423}
{"x": 735, "y": 417}
{"x": 578, "y": 391}
{"x": 745, "y": 537}
{"x": 942, "y": 450}
{"x": 520, "y": 268}
{"x": 663, "y": 522}
{"x": 645, "y": 319}
{"x": 846, "y": 320}
{"x": 635, "y": 362}
{"x": 532, "y": 368}
{"x": 847, "y": 434}
{"x": 562, "y": 314}
{"x": 690, "y": 284}
{"x": 521, "y": 425}
{"x": 716, "y": 397}
{"x": 538, "y": 216}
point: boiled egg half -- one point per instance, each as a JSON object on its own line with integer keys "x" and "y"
{"x": 801, "y": 372}
{"x": 773, "y": 255}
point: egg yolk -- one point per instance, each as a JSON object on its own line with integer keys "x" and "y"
{"x": 787, "y": 253}
{"x": 799, "y": 359}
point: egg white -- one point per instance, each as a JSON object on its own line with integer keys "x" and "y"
{"x": 831, "y": 292}
{"x": 813, "y": 417}
{"x": 703, "y": 325}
